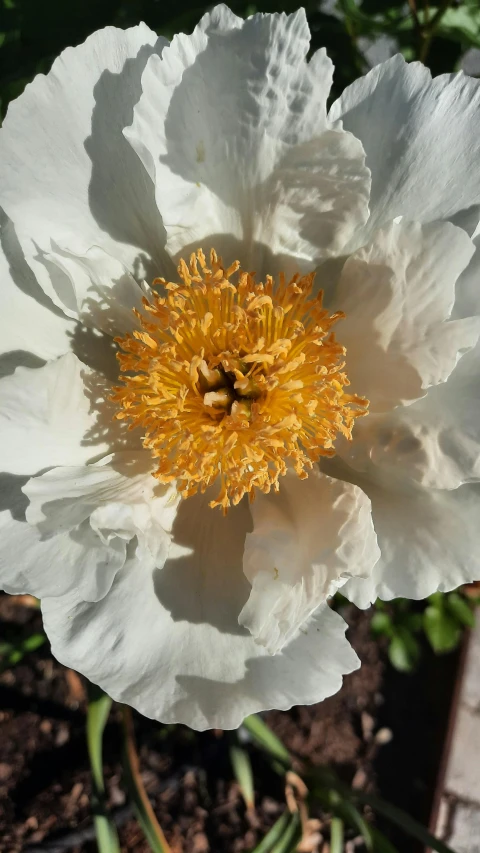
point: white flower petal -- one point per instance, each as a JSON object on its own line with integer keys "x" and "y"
{"x": 397, "y": 294}
{"x": 55, "y": 415}
{"x": 316, "y": 197}
{"x": 118, "y": 496}
{"x": 401, "y": 116}
{"x": 170, "y": 644}
{"x": 98, "y": 289}
{"x": 306, "y": 540}
{"x": 429, "y": 540}
{"x": 76, "y": 560}
{"x": 68, "y": 174}
{"x": 230, "y": 127}
{"x": 33, "y": 329}
{"x": 467, "y": 293}
{"x": 74, "y": 532}
{"x": 435, "y": 441}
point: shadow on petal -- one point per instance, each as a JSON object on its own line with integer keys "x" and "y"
{"x": 203, "y": 580}
{"x": 310, "y": 669}
{"x": 11, "y": 496}
{"x": 21, "y": 274}
{"x": 9, "y": 361}
{"x": 121, "y": 194}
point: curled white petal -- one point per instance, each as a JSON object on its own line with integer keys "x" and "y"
{"x": 398, "y": 294}
{"x": 68, "y": 175}
{"x": 429, "y": 541}
{"x": 232, "y": 128}
{"x": 401, "y": 115}
{"x": 169, "y": 642}
{"x": 306, "y": 541}
{"x": 58, "y": 414}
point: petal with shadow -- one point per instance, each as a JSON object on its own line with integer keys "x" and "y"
{"x": 38, "y": 564}
{"x": 99, "y": 289}
{"x": 80, "y": 524}
{"x": 435, "y": 442}
{"x": 401, "y": 115}
{"x": 33, "y": 329}
{"x": 398, "y": 294}
{"x": 307, "y": 539}
{"x": 169, "y": 643}
{"x": 232, "y": 128}
{"x": 59, "y": 414}
{"x": 429, "y": 540}
{"x": 68, "y": 175}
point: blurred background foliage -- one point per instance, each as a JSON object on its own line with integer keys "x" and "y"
{"x": 356, "y": 33}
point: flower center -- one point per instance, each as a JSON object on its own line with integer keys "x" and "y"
{"x": 233, "y": 380}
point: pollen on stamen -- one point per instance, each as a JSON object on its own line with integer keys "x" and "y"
{"x": 232, "y": 381}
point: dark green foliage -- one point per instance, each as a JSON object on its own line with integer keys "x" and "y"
{"x": 442, "y": 618}
{"x": 14, "y": 645}
{"x": 34, "y": 32}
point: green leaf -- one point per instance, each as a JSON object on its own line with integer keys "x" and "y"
{"x": 461, "y": 609}
{"x": 99, "y": 705}
{"x": 336, "y": 835}
{"x": 403, "y": 820}
{"x": 264, "y": 737}
{"x": 404, "y": 650}
{"x": 274, "y": 834}
{"x": 381, "y": 843}
{"x": 381, "y": 623}
{"x": 242, "y": 769}
{"x": 141, "y": 804}
{"x": 33, "y": 642}
{"x": 14, "y": 651}
{"x": 461, "y": 24}
{"x": 442, "y": 630}
{"x": 288, "y": 842}
{"x": 341, "y": 806}
{"x": 413, "y": 622}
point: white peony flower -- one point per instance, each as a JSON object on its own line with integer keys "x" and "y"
{"x": 128, "y": 159}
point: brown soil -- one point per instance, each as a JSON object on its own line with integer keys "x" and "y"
{"x": 44, "y": 776}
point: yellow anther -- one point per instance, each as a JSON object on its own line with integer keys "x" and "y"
{"x": 233, "y": 380}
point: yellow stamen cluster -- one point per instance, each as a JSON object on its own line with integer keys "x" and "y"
{"x": 233, "y": 380}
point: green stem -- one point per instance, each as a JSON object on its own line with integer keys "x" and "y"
{"x": 429, "y": 29}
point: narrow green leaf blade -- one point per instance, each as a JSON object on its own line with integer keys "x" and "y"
{"x": 141, "y": 804}
{"x": 33, "y": 642}
{"x": 99, "y": 705}
{"x": 402, "y": 819}
{"x": 264, "y": 737}
{"x": 381, "y": 843}
{"x": 353, "y": 818}
{"x": 242, "y": 769}
{"x": 274, "y": 834}
{"x": 336, "y": 835}
{"x": 288, "y": 842}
